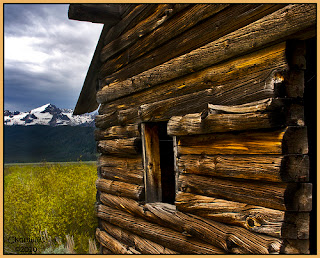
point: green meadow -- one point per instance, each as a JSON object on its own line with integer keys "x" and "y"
{"x": 49, "y": 208}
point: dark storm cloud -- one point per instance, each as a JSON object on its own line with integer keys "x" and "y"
{"x": 46, "y": 55}
{"x": 22, "y": 19}
{"x": 27, "y": 90}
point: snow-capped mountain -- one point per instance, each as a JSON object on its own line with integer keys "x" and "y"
{"x": 48, "y": 115}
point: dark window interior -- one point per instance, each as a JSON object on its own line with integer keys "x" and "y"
{"x": 166, "y": 164}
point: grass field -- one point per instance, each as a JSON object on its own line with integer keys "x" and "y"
{"x": 7, "y": 166}
{"x": 54, "y": 201}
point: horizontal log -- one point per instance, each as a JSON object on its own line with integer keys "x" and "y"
{"x": 121, "y": 147}
{"x": 254, "y": 218}
{"x": 262, "y": 62}
{"x": 128, "y": 116}
{"x": 161, "y": 235}
{"x": 266, "y": 113}
{"x": 270, "y": 28}
{"x": 230, "y": 238}
{"x": 259, "y": 75}
{"x": 131, "y": 19}
{"x": 125, "y": 9}
{"x": 257, "y": 219}
{"x": 144, "y": 246}
{"x": 284, "y": 113}
{"x": 255, "y": 86}
{"x": 118, "y": 188}
{"x": 133, "y": 207}
{"x": 123, "y": 204}
{"x": 259, "y": 106}
{"x": 220, "y": 233}
{"x": 175, "y": 26}
{"x": 163, "y": 110}
{"x": 117, "y": 132}
{"x": 162, "y": 13}
{"x": 289, "y": 140}
{"x": 112, "y": 244}
{"x": 197, "y": 36}
{"x": 126, "y": 163}
{"x": 121, "y": 174}
{"x": 117, "y": 117}
{"x": 107, "y": 120}
{"x": 273, "y": 168}
{"x": 280, "y": 196}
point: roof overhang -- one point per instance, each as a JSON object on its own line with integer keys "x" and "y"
{"x": 109, "y": 15}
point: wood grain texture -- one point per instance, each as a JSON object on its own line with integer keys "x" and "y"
{"x": 270, "y": 28}
{"x": 280, "y": 196}
{"x": 259, "y": 63}
{"x": 112, "y": 244}
{"x": 128, "y": 116}
{"x": 131, "y": 19}
{"x": 104, "y": 250}
{"x": 117, "y": 132}
{"x": 118, "y": 118}
{"x": 134, "y": 176}
{"x": 161, "y": 235}
{"x": 266, "y": 113}
{"x": 230, "y": 238}
{"x": 163, "y": 110}
{"x": 289, "y": 140}
{"x": 107, "y": 120}
{"x": 273, "y": 168}
{"x": 220, "y": 25}
{"x": 118, "y": 188}
{"x": 257, "y": 219}
{"x": 126, "y": 163}
{"x": 161, "y": 14}
{"x": 144, "y": 246}
{"x": 125, "y": 9}
{"x": 259, "y": 75}
{"x": 124, "y": 204}
{"x": 120, "y": 147}
{"x": 151, "y": 157}
{"x": 173, "y": 27}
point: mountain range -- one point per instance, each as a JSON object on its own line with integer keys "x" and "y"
{"x": 48, "y": 115}
{"x": 48, "y": 133}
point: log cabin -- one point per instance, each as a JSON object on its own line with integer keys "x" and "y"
{"x": 206, "y": 127}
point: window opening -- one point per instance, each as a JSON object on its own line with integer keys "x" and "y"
{"x": 158, "y": 163}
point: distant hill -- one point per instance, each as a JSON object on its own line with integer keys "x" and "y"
{"x": 48, "y": 143}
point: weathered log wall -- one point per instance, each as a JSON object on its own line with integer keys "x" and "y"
{"x": 229, "y": 80}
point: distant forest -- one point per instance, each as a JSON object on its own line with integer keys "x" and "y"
{"x": 46, "y": 143}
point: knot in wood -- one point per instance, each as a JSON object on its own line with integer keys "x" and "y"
{"x": 252, "y": 222}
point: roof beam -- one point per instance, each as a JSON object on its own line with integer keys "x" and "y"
{"x": 96, "y": 13}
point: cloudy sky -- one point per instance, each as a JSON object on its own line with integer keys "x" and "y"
{"x": 46, "y": 55}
